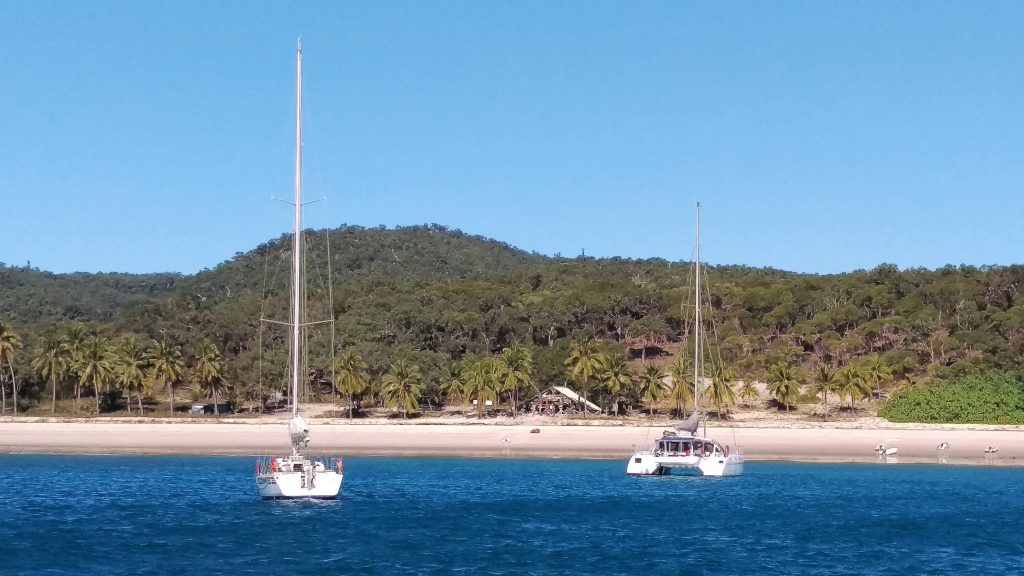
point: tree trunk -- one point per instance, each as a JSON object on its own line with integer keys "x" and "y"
{"x": 14, "y": 386}
{"x": 216, "y": 401}
{"x": 78, "y": 394}
{"x": 96, "y": 387}
{"x": 351, "y": 400}
{"x": 128, "y": 401}
{"x": 3, "y": 397}
{"x": 53, "y": 405}
{"x": 172, "y": 400}
{"x": 139, "y": 396}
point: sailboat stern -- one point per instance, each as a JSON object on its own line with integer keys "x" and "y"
{"x": 644, "y": 463}
{"x": 299, "y": 485}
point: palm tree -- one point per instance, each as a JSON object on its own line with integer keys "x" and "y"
{"x": 748, "y": 392}
{"x": 784, "y": 383}
{"x": 96, "y": 365}
{"x": 617, "y": 376}
{"x": 853, "y": 384}
{"x": 165, "y": 366}
{"x": 76, "y": 334}
{"x": 823, "y": 381}
{"x": 402, "y": 385}
{"x": 352, "y": 378}
{"x": 652, "y": 386}
{"x": 9, "y": 344}
{"x": 681, "y": 390}
{"x": 584, "y": 362}
{"x": 209, "y": 371}
{"x": 52, "y": 362}
{"x": 481, "y": 383}
{"x": 130, "y": 370}
{"x": 453, "y": 382}
{"x": 515, "y": 371}
{"x": 719, "y": 391}
{"x": 877, "y": 373}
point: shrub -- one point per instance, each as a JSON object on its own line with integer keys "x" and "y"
{"x": 977, "y": 399}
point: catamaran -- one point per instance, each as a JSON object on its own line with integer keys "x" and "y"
{"x": 683, "y": 450}
{"x": 298, "y": 475}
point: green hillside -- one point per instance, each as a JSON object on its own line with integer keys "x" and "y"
{"x": 434, "y": 296}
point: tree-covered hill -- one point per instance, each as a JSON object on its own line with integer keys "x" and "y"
{"x": 434, "y": 296}
{"x": 30, "y": 297}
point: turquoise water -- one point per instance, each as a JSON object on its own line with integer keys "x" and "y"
{"x": 202, "y": 515}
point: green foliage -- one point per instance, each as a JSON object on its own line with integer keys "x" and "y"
{"x": 350, "y": 377}
{"x": 10, "y": 343}
{"x": 784, "y": 383}
{"x": 52, "y": 362}
{"x": 719, "y": 392}
{"x": 96, "y": 366}
{"x": 402, "y": 386}
{"x": 585, "y": 361}
{"x": 976, "y": 399}
{"x": 514, "y": 373}
{"x": 130, "y": 370}
{"x": 617, "y": 376}
{"x": 435, "y": 297}
{"x": 652, "y": 388}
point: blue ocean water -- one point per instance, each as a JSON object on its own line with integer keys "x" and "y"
{"x": 202, "y": 515}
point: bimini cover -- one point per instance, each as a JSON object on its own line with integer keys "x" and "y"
{"x": 298, "y": 430}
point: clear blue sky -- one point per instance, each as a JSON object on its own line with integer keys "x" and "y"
{"x": 820, "y": 136}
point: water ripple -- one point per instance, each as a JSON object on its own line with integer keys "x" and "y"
{"x": 182, "y": 515}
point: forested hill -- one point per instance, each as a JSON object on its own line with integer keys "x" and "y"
{"x": 30, "y": 298}
{"x": 434, "y": 295}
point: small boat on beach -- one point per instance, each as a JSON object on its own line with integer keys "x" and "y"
{"x": 298, "y": 475}
{"x": 682, "y": 450}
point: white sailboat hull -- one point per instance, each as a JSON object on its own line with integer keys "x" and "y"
{"x": 657, "y": 462}
{"x": 646, "y": 463}
{"x": 322, "y": 485}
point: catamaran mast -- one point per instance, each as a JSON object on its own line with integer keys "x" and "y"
{"x": 697, "y": 341}
{"x": 297, "y": 238}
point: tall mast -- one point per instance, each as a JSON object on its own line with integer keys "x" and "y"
{"x": 697, "y": 325}
{"x": 297, "y": 238}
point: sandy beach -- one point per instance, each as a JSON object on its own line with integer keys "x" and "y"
{"x": 836, "y": 442}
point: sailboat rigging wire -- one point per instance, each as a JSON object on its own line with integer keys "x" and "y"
{"x": 265, "y": 298}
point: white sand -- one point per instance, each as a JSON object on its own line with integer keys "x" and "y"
{"x": 816, "y": 442}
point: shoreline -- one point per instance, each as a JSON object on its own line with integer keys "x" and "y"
{"x": 807, "y": 442}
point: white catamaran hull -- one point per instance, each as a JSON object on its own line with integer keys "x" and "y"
{"x": 323, "y": 485}
{"x": 647, "y": 463}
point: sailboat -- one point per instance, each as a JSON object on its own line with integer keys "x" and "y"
{"x": 683, "y": 450}
{"x": 297, "y": 475}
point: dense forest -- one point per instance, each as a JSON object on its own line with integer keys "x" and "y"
{"x": 426, "y": 310}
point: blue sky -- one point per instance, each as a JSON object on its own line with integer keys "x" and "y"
{"x": 820, "y": 136}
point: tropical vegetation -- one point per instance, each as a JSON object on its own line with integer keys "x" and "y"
{"x": 480, "y": 320}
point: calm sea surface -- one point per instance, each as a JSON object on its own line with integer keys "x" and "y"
{"x": 195, "y": 515}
